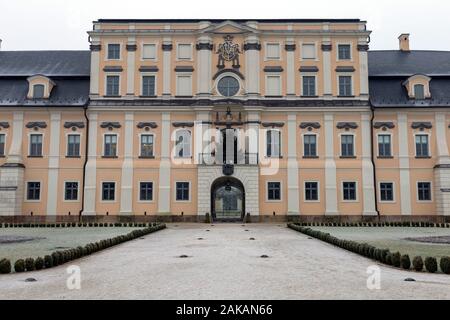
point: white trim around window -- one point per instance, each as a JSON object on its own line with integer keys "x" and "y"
{"x": 393, "y": 193}
{"x": 345, "y": 74}
{"x": 356, "y": 191}
{"x": 308, "y": 74}
{"x": 148, "y": 74}
{"x": 73, "y": 133}
{"x": 387, "y": 133}
{"x": 120, "y": 43}
{"x": 266, "y": 51}
{"x": 139, "y": 191}
{"x": 149, "y": 133}
{"x": 267, "y": 192}
{"x": 191, "y": 58}
{"x": 351, "y": 51}
{"x": 103, "y": 144}
{"x": 280, "y": 85}
{"x": 156, "y": 44}
{"x": 26, "y": 191}
{"x": 101, "y": 191}
{"x": 318, "y": 191}
{"x": 189, "y": 91}
{"x": 190, "y": 191}
{"x": 316, "y": 53}
{"x": 116, "y": 74}
{"x": 424, "y": 133}
{"x": 78, "y": 191}
{"x": 349, "y": 133}
{"x": 431, "y": 192}
{"x": 185, "y": 156}
{"x": 312, "y": 133}
{"x": 29, "y": 134}
{"x": 5, "y": 153}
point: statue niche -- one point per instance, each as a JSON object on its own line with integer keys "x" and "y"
{"x": 228, "y": 51}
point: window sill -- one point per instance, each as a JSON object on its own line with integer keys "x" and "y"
{"x": 385, "y": 157}
{"x": 146, "y": 157}
{"x": 275, "y": 96}
{"x": 348, "y": 157}
{"x": 346, "y": 96}
{"x": 310, "y": 157}
{"x": 312, "y": 97}
{"x": 112, "y": 96}
{"x": 35, "y": 157}
{"x": 149, "y": 97}
{"x": 274, "y": 157}
{"x": 424, "y": 157}
{"x": 73, "y": 157}
{"x": 110, "y": 157}
{"x": 184, "y": 97}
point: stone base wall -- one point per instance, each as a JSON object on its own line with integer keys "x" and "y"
{"x": 442, "y": 190}
{"x": 11, "y": 190}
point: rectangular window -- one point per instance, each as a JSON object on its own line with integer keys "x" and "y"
{"x": 273, "y": 143}
{"x": 110, "y": 145}
{"x": 33, "y": 191}
{"x": 274, "y": 191}
{"x": 311, "y": 191}
{"x": 182, "y": 189}
{"x": 184, "y": 85}
{"x": 147, "y": 146}
{"x": 71, "y": 191}
{"x": 113, "y": 51}
{"x": 422, "y": 149}
{"x": 184, "y": 52}
{"x": 419, "y": 92}
{"x": 345, "y": 86}
{"x": 273, "y": 51}
{"x": 36, "y": 145}
{"x": 349, "y": 191}
{"x": 183, "y": 143}
{"x": 149, "y": 51}
{"x": 347, "y": 145}
{"x": 310, "y": 145}
{"x": 2, "y": 144}
{"x": 424, "y": 191}
{"x": 309, "y": 86}
{"x": 386, "y": 191}
{"x": 384, "y": 145}
{"x": 108, "y": 191}
{"x": 146, "y": 191}
{"x": 273, "y": 85}
{"x": 73, "y": 145}
{"x": 308, "y": 51}
{"x": 344, "y": 52}
{"x": 38, "y": 91}
{"x": 112, "y": 85}
{"x": 148, "y": 86}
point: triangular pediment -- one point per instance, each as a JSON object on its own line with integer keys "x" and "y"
{"x": 229, "y": 27}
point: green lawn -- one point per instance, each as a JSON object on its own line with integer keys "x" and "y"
{"x": 49, "y": 240}
{"x": 394, "y": 239}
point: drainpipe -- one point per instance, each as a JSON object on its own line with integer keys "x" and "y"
{"x": 372, "y": 109}
{"x": 85, "y": 159}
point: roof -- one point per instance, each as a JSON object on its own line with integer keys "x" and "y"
{"x": 67, "y": 92}
{"x": 223, "y": 20}
{"x": 48, "y": 63}
{"x": 399, "y": 63}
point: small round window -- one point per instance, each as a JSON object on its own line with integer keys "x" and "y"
{"x": 228, "y": 86}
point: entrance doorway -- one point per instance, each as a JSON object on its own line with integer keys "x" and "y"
{"x": 227, "y": 200}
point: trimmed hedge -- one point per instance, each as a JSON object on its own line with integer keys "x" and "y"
{"x": 76, "y": 225}
{"x": 375, "y": 224}
{"x": 381, "y": 255}
{"x": 61, "y": 257}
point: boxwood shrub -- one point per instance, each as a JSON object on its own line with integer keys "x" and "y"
{"x": 39, "y": 263}
{"x": 405, "y": 262}
{"x": 431, "y": 264}
{"x": 445, "y": 265}
{"x": 30, "y": 264}
{"x": 19, "y": 266}
{"x": 5, "y": 266}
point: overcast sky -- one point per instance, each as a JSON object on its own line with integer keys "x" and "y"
{"x": 62, "y": 24}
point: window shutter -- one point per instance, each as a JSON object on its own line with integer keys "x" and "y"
{"x": 273, "y": 51}
{"x": 184, "y": 51}
{"x": 149, "y": 51}
{"x": 309, "y": 51}
{"x": 184, "y": 86}
{"x": 273, "y": 86}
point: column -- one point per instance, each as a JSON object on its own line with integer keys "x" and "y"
{"x": 405, "y": 186}
{"x": 167, "y": 59}
{"x": 330, "y": 168}
{"x": 293, "y": 183}
{"x": 165, "y": 166}
{"x": 363, "y": 47}
{"x": 53, "y": 163}
{"x": 126, "y": 190}
{"x": 327, "y": 72}
{"x": 442, "y": 168}
{"x": 252, "y": 49}
{"x": 90, "y": 187}
{"x": 290, "y": 66}
{"x": 131, "y": 65}
{"x": 368, "y": 178}
{"x": 204, "y": 57}
{"x": 95, "y": 66}
{"x": 12, "y": 172}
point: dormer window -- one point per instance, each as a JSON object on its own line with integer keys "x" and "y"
{"x": 418, "y": 87}
{"x": 39, "y": 87}
{"x": 38, "y": 91}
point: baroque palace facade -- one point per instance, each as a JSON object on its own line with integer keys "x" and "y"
{"x": 179, "y": 119}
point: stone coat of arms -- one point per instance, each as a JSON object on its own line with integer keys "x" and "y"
{"x": 228, "y": 51}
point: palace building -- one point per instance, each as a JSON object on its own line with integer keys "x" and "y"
{"x": 273, "y": 120}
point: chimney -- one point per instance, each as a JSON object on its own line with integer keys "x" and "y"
{"x": 404, "y": 42}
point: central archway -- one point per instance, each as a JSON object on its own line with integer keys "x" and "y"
{"x": 227, "y": 200}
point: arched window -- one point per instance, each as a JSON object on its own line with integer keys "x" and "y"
{"x": 419, "y": 91}
{"x": 228, "y": 86}
{"x": 273, "y": 143}
{"x": 38, "y": 91}
{"x": 183, "y": 144}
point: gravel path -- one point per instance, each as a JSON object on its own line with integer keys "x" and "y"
{"x": 225, "y": 265}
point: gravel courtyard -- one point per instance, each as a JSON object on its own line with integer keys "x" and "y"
{"x": 225, "y": 264}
